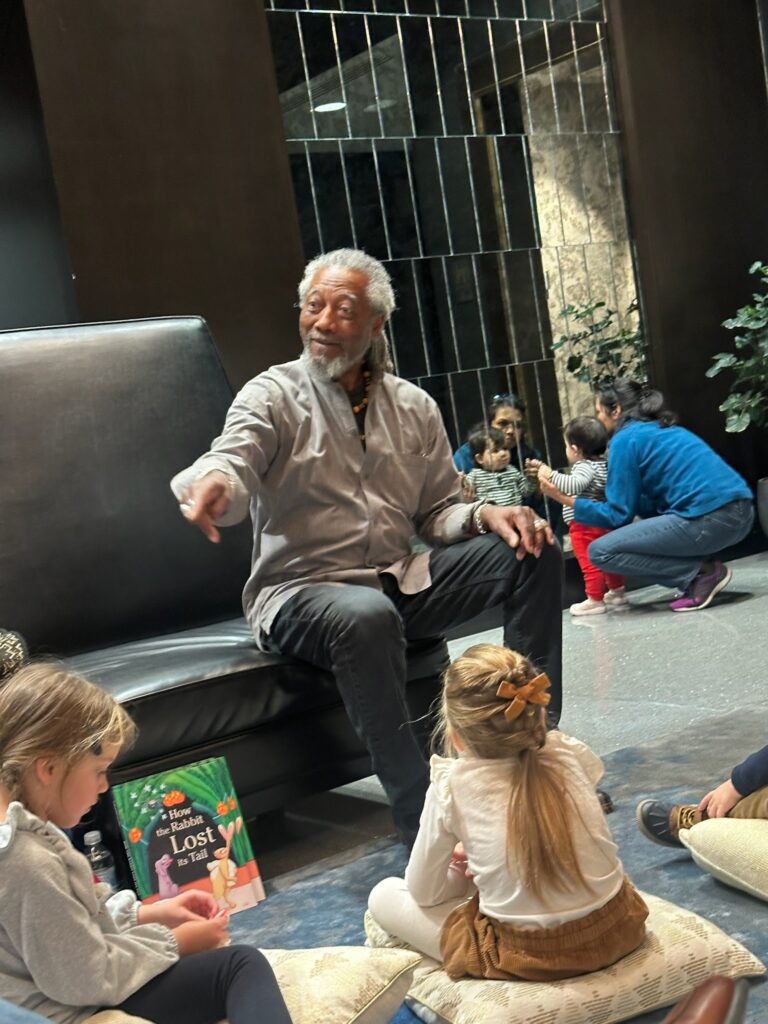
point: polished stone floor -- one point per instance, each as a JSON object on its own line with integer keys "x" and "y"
{"x": 629, "y": 677}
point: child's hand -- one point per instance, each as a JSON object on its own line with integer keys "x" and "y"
{"x": 190, "y": 905}
{"x": 467, "y": 490}
{"x": 548, "y": 488}
{"x": 198, "y": 936}
{"x": 719, "y": 801}
{"x": 544, "y": 472}
{"x": 459, "y": 861}
{"x": 532, "y": 468}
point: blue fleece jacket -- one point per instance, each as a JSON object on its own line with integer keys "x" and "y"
{"x": 752, "y": 773}
{"x": 653, "y": 470}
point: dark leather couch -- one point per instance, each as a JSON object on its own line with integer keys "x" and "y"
{"x": 97, "y": 565}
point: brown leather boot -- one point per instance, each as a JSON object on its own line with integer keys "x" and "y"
{"x": 661, "y": 823}
{"x": 718, "y": 1000}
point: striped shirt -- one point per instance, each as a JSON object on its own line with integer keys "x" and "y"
{"x": 586, "y": 480}
{"x": 507, "y": 487}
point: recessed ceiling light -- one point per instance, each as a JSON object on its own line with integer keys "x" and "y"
{"x": 329, "y": 108}
{"x": 381, "y": 105}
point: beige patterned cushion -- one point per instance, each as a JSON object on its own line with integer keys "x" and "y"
{"x": 114, "y": 1017}
{"x": 681, "y": 950}
{"x": 331, "y": 985}
{"x": 343, "y": 984}
{"x": 734, "y": 850}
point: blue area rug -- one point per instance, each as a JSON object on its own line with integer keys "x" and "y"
{"x": 323, "y": 904}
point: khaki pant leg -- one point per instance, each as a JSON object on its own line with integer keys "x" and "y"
{"x": 753, "y": 806}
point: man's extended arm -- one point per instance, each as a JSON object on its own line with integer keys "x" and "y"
{"x": 216, "y": 489}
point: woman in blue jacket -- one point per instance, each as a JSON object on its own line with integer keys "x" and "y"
{"x": 690, "y": 502}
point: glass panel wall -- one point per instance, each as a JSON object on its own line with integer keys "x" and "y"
{"x": 471, "y": 146}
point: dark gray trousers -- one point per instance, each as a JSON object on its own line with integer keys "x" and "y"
{"x": 360, "y": 635}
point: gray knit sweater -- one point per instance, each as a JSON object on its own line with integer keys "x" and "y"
{"x": 67, "y": 948}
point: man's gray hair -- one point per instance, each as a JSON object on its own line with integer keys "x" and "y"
{"x": 379, "y": 293}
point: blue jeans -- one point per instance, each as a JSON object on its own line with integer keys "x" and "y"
{"x": 360, "y": 634}
{"x": 670, "y": 549}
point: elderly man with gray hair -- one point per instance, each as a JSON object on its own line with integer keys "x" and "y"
{"x": 341, "y": 463}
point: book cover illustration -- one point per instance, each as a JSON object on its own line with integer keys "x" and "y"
{"x": 183, "y": 829}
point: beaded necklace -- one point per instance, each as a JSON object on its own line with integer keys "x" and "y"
{"x": 358, "y": 408}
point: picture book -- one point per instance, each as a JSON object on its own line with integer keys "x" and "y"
{"x": 183, "y": 829}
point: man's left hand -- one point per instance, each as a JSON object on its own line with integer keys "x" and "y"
{"x": 520, "y": 527}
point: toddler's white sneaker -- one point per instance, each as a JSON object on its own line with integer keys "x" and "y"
{"x": 588, "y": 607}
{"x": 616, "y": 598}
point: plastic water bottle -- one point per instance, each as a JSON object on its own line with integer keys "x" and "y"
{"x": 101, "y": 860}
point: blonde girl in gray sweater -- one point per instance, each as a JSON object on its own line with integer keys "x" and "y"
{"x": 68, "y": 948}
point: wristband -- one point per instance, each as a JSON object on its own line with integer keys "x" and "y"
{"x": 477, "y": 519}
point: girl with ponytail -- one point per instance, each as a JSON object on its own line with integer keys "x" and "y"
{"x": 514, "y": 873}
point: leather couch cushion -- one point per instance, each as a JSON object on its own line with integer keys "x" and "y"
{"x": 185, "y": 688}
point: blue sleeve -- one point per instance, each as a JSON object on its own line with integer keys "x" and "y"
{"x": 462, "y": 459}
{"x": 622, "y": 490}
{"x": 752, "y": 773}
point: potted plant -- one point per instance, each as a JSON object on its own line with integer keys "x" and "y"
{"x": 747, "y": 402}
{"x": 598, "y": 349}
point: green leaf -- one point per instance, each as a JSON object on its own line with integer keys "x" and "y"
{"x": 737, "y": 422}
{"x": 574, "y": 363}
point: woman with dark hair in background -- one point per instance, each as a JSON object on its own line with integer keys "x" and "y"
{"x": 507, "y": 414}
{"x": 692, "y": 504}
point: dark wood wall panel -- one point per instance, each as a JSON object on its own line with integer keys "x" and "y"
{"x": 167, "y": 148}
{"x": 691, "y": 96}
{"x": 35, "y": 275}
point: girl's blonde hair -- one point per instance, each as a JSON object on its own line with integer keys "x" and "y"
{"x": 540, "y": 809}
{"x": 45, "y": 709}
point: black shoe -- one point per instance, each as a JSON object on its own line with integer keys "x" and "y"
{"x": 605, "y": 801}
{"x": 661, "y": 823}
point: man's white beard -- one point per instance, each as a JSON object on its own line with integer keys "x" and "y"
{"x": 326, "y": 369}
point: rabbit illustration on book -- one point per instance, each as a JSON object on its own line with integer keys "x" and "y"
{"x": 165, "y": 884}
{"x": 223, "y": 870}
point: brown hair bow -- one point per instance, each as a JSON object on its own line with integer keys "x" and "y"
{"x": 531, "y": 692}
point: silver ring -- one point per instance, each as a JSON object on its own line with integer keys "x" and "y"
{"x": 187, "y": 506}
{"x": 540, "y": 524}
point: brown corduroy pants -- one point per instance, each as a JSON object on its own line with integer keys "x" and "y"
{"x": 477, "y": 946}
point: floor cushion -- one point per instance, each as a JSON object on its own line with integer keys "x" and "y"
{"x": 734, "y": 850}
{"x": 343, "y": 984}
{"x": 680, "y": 950}
{"x": 330, "y": 985}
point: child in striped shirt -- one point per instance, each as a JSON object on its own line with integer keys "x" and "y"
{"x": 585, "y": 442}
{"x": 493, "y": 478}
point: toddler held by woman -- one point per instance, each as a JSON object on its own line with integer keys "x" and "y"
{"x": 585, "y": 442}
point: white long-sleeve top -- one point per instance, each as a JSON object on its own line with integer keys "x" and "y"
{"x": 467, "y": 801}
{"x": 67, "y": 948}
{"x": 325, "y": 509}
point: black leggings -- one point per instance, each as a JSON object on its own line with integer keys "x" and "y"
{"x": 234, "y": 982}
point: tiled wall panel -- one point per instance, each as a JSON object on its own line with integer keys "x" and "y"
{"x": 470, "y": 145}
